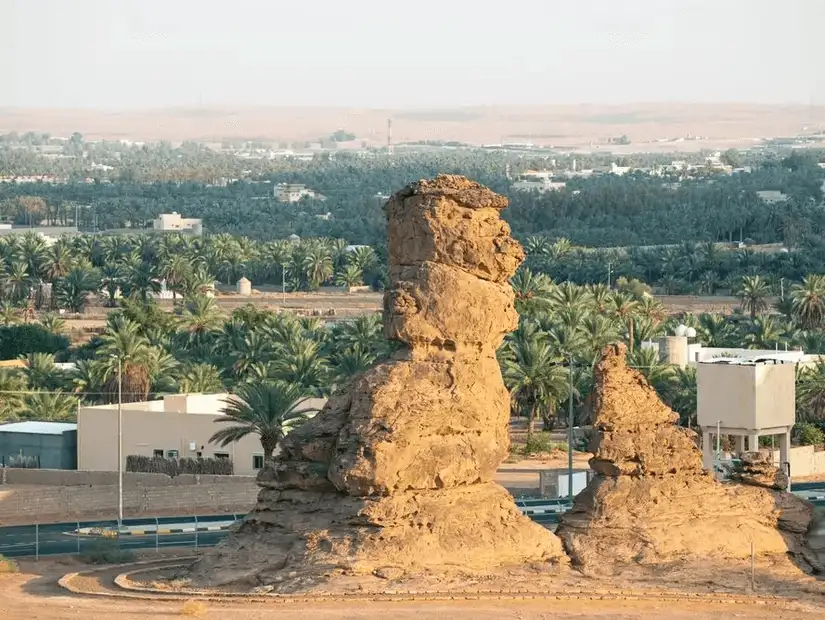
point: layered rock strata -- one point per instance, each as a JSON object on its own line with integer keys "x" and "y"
{"x": 756, "y": 468}
{"x": 397, "y": 470}
{"x": 651, "y": 501}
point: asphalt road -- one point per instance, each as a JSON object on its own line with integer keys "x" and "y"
{"x": 57, "y": 539}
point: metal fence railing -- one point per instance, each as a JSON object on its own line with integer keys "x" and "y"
{"x": 80, "y": 537}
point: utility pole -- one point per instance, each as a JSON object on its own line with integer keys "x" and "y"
{"x": 609, "y": 272}
{"x": 782, "y": 288}
{"x": 119, "y": 442}
{"x": 570, "y": 437}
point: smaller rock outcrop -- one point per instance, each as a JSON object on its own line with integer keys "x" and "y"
{"x": 756, "y": 468}
{"x": 651, "y": 501}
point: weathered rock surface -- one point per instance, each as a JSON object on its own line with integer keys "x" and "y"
{"x": 756, "y": 468}
{"x": 652, "y": 502}
{"x": 395, "y": 474}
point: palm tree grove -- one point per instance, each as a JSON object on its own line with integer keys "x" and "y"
{"x": 600, "y": 253}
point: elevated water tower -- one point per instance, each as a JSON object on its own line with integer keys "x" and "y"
{"x": 747, "y": 399}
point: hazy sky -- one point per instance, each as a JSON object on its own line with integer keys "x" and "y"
{"x": 414, "y": 53}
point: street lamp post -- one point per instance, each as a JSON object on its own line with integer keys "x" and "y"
{"x": 119, "y": 443}
{"x": 570, "y": 439}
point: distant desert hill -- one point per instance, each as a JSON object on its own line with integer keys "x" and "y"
{"x": 560, "y": 126}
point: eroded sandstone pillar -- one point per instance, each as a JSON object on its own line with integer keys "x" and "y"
{"x": 397, "y": 470}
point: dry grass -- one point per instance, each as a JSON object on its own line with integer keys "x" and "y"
{"x": 195, "y": 609}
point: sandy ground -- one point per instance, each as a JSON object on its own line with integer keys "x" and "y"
{"x": 562, "y": 126}
{"x": 33, "y": 594}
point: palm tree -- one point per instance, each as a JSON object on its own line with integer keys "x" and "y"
{"x": 200, "y": 317}
{"x": 50, "y": 406}
{"x": 317, "y": 265}
{"x": 808, "y": 302}
{"x": 349, "y": 275}
{"x": 269, "y": 410}
{"x": 52, "y": 322}
{"x": 362, "y": 257}
{"x": 41, "y": 373}
{"x": 753, "y": 293}
{"x": 350, "y": 362}
{"x": 9, "y": 314}
{"x": 302, "y": 364}
{"x": 111, "y": 281}
{"x": 200, "y": 378}
{"x": 364, "y": 332}
{"x": 73, "y": 290}
{"x": 175, "y": 272}
{"x": 714, "y": 330}
{"x": 12, "y": 386}
{"x": 624, "y": 306}
{"x": 810, "y": 392}
{"x": 536, "y": 379}
{"x": 763, "y": 333}
{"x": 659, "y": 374}
{"x": 125, "y": 344}
{"x": 532, "y": 291}
{"x": 16, "y": 281}
{"x": 683, "y": 395}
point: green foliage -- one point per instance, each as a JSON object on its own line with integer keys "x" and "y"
{"x": 269, "y": 409}
{"x": 540, "y": 443}
{"x": 176, "y": 466}
{"x": 106, "y": 551}
{"x": 17, "y": 340}
{"x": 807, "y": 434}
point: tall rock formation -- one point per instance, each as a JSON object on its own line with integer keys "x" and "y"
{"x": 397, "y": 470}
{"x": 651, "y": 501}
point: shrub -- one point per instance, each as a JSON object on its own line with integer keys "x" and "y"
{"x": 193, "y": 608}
{"x": 174, "y": 467}
{"x": 107, "y": 551}
{"x": 17, "y": 340}
{"x": 808, "y": 434}
{"x": 7, "y": 565}
{"x": 540, "y": 442}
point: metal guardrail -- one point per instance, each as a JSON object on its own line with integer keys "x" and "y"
{"x": 80, "y": 537}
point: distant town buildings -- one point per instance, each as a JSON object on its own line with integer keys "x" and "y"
{"x": 293, "y": 192}
{"x": 538, "y": 181}
{"x": 772, "y": 196}
{"x": 173, "y": 222}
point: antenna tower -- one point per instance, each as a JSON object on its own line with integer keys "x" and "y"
{"x": 389, "y": 137}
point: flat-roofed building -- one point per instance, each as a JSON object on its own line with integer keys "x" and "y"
{"x": 179, "y": 425}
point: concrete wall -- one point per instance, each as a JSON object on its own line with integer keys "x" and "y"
{"x": 30, "y": 495}
{"x": 805, "y": 461}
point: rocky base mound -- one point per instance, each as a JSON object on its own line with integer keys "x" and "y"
{"x": 396, "y": 472}
{"x": 651, "y": 501}
{"x": 756, "y": 468}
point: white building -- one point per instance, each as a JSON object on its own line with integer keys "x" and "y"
{"x": 538, "y": 182}
{"x": 173, "y": 222}
{"x": 179, "y": 425}
{"x": 293, "y": 192}
{"x": 771, "y": 196}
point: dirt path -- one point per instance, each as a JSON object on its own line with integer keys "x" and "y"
{"x": 28, "y": 596}
{"x": 34, "y": 594}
